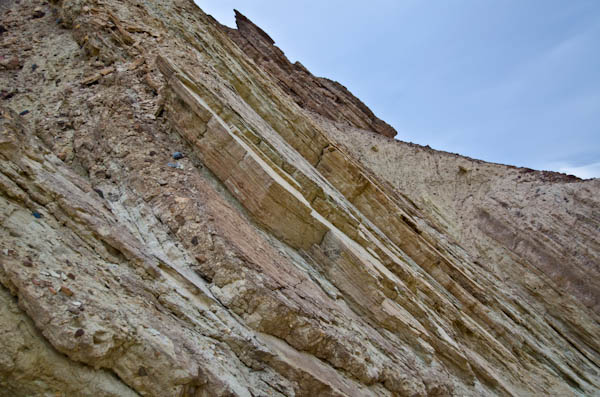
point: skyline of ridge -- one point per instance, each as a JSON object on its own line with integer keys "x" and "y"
{"x": 532, "y": 102}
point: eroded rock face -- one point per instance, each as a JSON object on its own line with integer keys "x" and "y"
{"x": 277, "y": 256}
{"x": 323, "y": 96}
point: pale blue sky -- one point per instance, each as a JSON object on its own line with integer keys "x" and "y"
{"x": 509, "y": 81}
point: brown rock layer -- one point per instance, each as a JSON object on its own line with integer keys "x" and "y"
{"x": 323, "y": 96}
{"x": 267, "y": 259}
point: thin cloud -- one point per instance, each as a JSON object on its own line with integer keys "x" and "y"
{"x": 587, "y": 171}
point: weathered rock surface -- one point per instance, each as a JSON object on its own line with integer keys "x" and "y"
{"x": 281, "y": 255}
{"x": 323, "y": 96}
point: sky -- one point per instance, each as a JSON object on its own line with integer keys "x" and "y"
{"x": 508, "y": 81}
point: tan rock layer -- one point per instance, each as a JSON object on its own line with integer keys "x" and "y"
{"x": 267, "y": 260}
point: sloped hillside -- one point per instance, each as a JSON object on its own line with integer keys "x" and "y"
{"x": 186, "y": 213}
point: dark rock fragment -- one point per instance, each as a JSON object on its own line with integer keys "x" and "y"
{"x": 37, "y": 13}
{"x": 7, "y": 94}
{"x": 66, "y": 290}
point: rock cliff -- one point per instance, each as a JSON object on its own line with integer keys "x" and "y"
{"x": 186, "y": 213}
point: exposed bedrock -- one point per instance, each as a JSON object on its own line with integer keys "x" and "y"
{"x": 186, "y": 213}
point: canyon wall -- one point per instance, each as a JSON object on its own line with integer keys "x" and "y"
{"x": 186, "y": 213}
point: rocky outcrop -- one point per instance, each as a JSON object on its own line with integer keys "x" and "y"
{"x": 323, "y": 96}
{"x": 273, "y": 254}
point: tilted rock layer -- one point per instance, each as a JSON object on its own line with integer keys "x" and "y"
{"x": 293, "y": 250}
